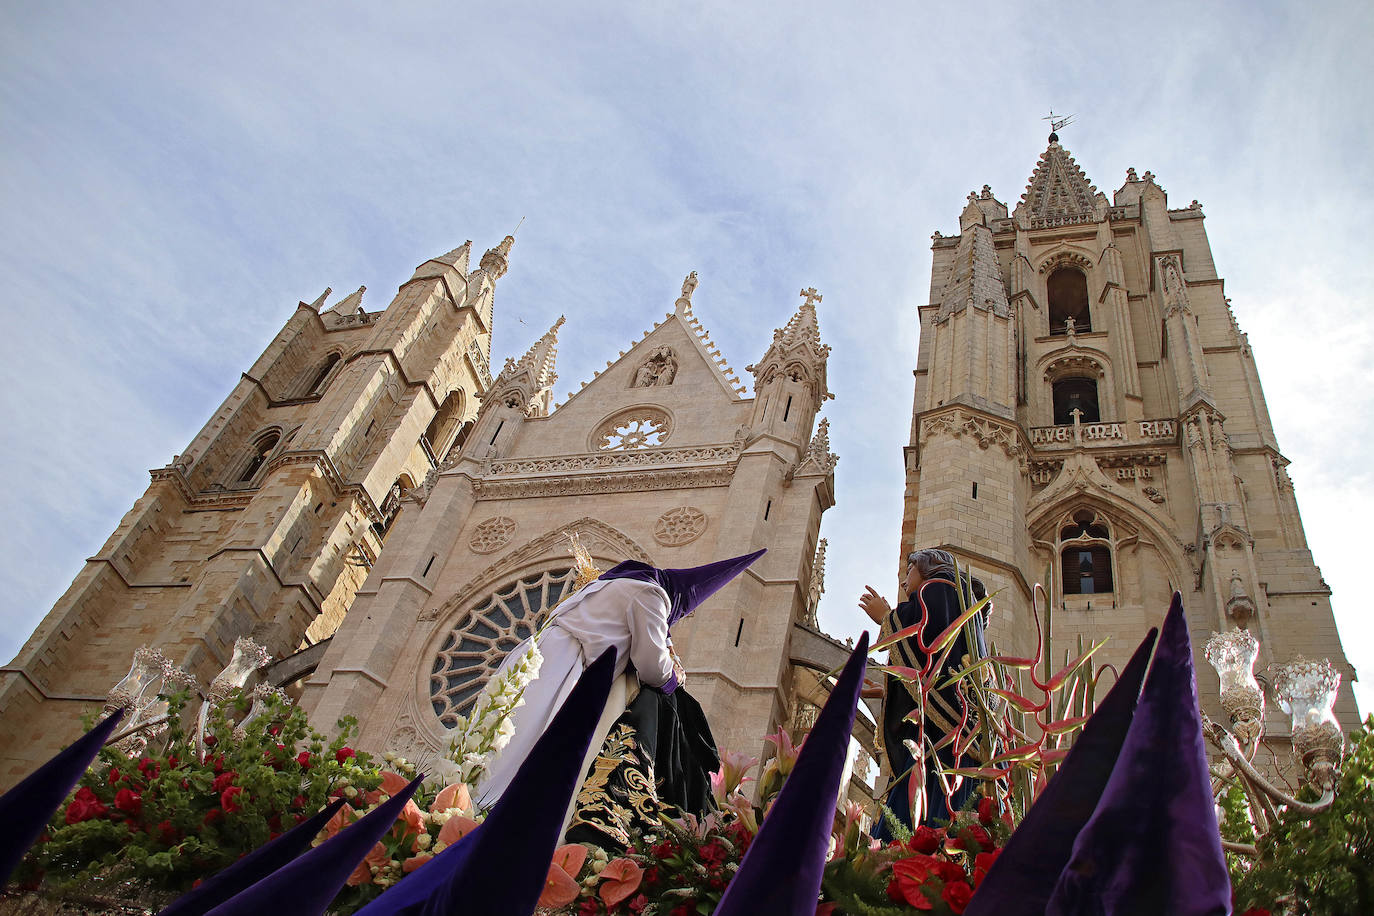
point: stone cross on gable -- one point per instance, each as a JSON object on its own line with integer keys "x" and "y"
{"x": 813, "y": 298}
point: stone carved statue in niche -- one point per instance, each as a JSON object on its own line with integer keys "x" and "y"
{"x": 658, "y": 370}
{"x": 1239, "y": 606}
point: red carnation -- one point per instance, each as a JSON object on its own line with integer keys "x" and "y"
{"x": 925, "y": 840}
{"x": 223, "y": 781}
{"x": 113, "y": 776}
{"x": 85, "y": 806}
{"x": 986, "y": 812}
{"x": 303, "y": 758}
{"x": 957, "y": 894}
{"x": 213, "y": 815}
{"x": 343, "y": 754}
{"x": 713, "y": 854}
{"x": 981, "y": 863}
{"x": 129, "y": 801}
{"x": 298, "y": 801}
{"x": 978, "y": 835}
{"x": 149, "y": 768}
{"x": 211, "y": 740}
{"x": 166, "y": 832}
{"x": 229, "y": 799}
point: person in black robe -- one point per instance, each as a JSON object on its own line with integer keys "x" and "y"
{"x": 932, "y": 601}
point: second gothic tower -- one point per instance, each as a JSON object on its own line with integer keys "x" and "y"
{"x": 1088, "y": 415}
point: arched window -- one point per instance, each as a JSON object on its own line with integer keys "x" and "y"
{"x": 442, "y": 432}
{"x": 321, "y": 378}
{"x": 262, "y": 449}
{"x": 1067, "y": 291}
{"x": 1085, "y": 553}
{"x": 1072, "y": 394}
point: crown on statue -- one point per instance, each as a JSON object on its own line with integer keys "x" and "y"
{"x": 585, "y": 567}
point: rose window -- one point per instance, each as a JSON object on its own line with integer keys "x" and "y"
{"x": 641, "y": 429}
{"x": 482, "y": 637}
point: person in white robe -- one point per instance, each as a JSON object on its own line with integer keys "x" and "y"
{"x": 631, "y": 608}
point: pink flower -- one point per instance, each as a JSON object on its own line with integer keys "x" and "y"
{"x": 787, "y": 753}
{"x": 452, "y": 796}
{"x": 732, "y": 775}
{"x": 619, "y": 879}
{"x": 415, "y": 861}
{"x": 363, "y": 873}
{"x": 560, "y": 888}
{"x": 456, "y": 828}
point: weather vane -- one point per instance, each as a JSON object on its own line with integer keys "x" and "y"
{"x": 1058, "y": 122}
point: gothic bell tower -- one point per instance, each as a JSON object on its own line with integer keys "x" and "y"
{"x": 1088, "y": 415}
{"x": 270, "y": 520}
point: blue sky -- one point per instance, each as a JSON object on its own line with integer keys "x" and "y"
{"x": 177, "y": 176}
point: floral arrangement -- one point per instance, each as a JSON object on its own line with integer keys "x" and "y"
{"x": 165, "y": 818}
{"x": 477, "y": 738}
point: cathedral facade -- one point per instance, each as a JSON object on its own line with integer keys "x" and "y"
{"x": 1088, "y": 415}
{"x": 358, "y": 428}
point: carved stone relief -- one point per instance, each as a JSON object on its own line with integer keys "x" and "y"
{"x": 679, "y": 526}
{"x": 493, "y": 534}
{"x": 658, "y": 370}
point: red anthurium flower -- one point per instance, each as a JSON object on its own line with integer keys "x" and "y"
{"x": 909, "y": 875}
{"x": 560, "y": 888}
{"x": 619, "y": 879}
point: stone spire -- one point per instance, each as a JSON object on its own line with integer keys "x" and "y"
{"x": 975, "y": 276}
{"x": 528, "y": 382}
{"x": 1059, "y": 194}
{"x": 350, "y": 304}
{"x": 798, "y": 341}
{"x": 497, "y": 260}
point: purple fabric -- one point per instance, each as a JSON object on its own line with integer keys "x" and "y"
{"x": 686, "y": 588}
{"x": 1152, "y": 846}
{"x": 253, "y": 867}
{"x": 500, "y": 868}
{"x": 306, "y": 886}
{"x": 781, "y": 872}
{"x": 1020, "y": 882}
{"x": 26, "y": 809}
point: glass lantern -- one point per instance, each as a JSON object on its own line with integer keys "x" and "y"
{"x": 1233, "y": 655}
{"x": 1306, "y": 690}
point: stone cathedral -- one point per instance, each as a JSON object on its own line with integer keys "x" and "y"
{"x": 1088, "y": 415}
{"x": 359, "y": 429}
{"x": 388, "y": 518}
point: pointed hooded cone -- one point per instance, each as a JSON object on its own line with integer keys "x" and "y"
{"x": 781, "y": 872}
{"x": 686, "y": 588}
{"x": 1023, "y": 876}
{"x": 252, "y": 868}
{"x": 26, "y": 809}
{"x": 500, "y": 868}
{"x": 306, "y": 886}
{"x": 1152, "y": 844}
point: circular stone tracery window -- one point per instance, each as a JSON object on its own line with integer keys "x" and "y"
{"x": 482, "y": 637}
{"x": 640, "y": 428}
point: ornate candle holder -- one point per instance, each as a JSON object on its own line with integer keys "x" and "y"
{"x": 1306, "y": 690}
{"x": 1233, "y": 656}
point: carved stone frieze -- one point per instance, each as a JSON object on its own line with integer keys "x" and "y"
{"x": 1066, "y": 259}
{"x": 983, "y": 430}
{"x": 492, "y": 534}
{"x": 680, "y": 526}
{"x": 643, "y": 457}
{"x": 619, "y": 482}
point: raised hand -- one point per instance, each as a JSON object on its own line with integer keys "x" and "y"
{"x": 874, "y": 605}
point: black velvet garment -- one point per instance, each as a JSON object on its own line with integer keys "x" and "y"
{"x": 941, "y": 609}
{"x": 657, "y": 759}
